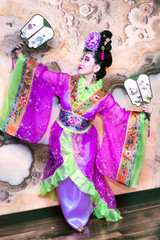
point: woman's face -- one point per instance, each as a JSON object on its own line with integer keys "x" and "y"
{"x": 87, "y": 65}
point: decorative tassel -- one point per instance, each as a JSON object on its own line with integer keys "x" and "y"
{"x": 102, "y": 56}
{"x": 148, "y": 131}
{"x": 12, "y": 62}
{"x": 149, "y": 126}
{"x": 149, "y": 120}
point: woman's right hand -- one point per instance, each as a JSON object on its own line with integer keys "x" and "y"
{"x": 17, "y": 48}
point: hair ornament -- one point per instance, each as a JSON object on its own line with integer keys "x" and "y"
{"x": 92, "y": 41}
{"x": 102, "y": 56}
{"x": 103, "y": 47}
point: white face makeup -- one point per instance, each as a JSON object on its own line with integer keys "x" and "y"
{"x": 87, "y": 66}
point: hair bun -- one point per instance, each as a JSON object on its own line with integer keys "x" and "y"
{"x": 105, "y": 42}
{"x": 106, "y": 34}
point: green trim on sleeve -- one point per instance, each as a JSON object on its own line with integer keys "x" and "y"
{"x": 140, "y": 155}
{"x": 11, "y": 90}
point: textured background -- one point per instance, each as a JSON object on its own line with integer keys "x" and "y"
{"x": 136, "y": 49}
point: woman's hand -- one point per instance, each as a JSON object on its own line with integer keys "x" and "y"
{"x": 17, "y": 48}
{"x": 147, "y": 108}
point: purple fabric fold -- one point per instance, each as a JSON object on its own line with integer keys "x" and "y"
{"x": 75, "y": 205}
{"x": 115, "y": 126}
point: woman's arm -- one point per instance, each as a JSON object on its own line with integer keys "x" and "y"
{"x": 112, "y": 110}
{"x": 58, "y": 80}
{"x": 53, "y": 78}
{"x": 122, "y": 152}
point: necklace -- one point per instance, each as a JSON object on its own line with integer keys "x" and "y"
{"x": 88, "y": 86}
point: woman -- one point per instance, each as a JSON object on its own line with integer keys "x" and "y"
{"x": 77, "y": 164}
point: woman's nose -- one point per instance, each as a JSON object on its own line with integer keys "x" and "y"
{"x": 81, "y": 62}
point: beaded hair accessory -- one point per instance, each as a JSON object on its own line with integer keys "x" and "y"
{"x": 103, "y": 47}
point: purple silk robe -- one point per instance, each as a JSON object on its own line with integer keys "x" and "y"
{"x": 74, "y": 150}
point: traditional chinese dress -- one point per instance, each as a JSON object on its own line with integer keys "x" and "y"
{"x": 77, "y": 164}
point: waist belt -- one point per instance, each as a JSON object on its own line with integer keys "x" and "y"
{"x": 73, "y": 122}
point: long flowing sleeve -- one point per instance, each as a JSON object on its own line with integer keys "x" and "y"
{"x": 122, "y": 152}
{"x": 27, "y": 105}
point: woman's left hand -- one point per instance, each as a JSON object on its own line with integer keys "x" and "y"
{"x": 147, "y": 108}
{"x": 18, "y": 47}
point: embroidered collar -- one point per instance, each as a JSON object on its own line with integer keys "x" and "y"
{"x": 85, "y": 93}
{"x": 82, "y": 100}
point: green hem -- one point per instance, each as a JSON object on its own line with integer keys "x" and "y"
{"x": 70, "y": 169}
{"x": 101, "y": 210}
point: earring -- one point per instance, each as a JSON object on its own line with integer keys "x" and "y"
{"x": 94, "y": 77}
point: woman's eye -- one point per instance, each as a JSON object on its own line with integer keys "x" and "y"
{"x": 87, "y": 59}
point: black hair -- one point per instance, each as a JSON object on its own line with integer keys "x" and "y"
{"x": 107, "y": 54}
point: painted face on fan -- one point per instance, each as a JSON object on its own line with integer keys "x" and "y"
{"x": 87, "y": 65}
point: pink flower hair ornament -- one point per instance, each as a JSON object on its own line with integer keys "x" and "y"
{"x": 92, "y": 41}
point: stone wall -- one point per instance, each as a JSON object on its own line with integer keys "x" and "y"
{"x": 135, "y": 48}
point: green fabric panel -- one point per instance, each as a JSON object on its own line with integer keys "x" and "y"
{"x": 140, "y": 155}
{"x": 11, "y": 91}
{"x": 70, "y": 169}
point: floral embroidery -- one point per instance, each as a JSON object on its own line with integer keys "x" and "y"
{"x": 130, "y": 144}
{"x": 91, "y": 101}
{"x": 22, "y": 96}
{"x": 131, "y": 134}
{"x": 74, "y": 121}
{"x": 71, "y": 120}
{"x": 128, "y": 153}
{"x": 96, "y": 97}
{"x": 131, "y": 139}
{"x": 74, "y": 80}
{"x": 25, "y": 89}
{"x": 88, "y": 103}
